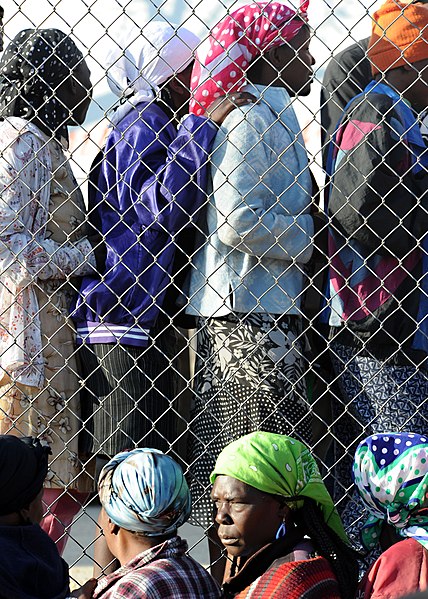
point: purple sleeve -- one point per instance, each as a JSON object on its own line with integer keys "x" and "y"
{"x": 160, "y": 173}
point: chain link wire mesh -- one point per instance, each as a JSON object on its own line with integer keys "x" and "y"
{"x": 189, "y": 380}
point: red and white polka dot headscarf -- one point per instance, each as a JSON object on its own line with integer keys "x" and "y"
{"x": 223, "y": 58}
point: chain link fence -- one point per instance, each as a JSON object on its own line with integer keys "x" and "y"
{"x": 196, "y": 279}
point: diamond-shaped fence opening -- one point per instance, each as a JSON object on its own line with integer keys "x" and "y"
{"x": 177, "y": 281}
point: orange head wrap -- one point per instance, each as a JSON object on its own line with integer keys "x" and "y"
{"x": 399, "y": 36}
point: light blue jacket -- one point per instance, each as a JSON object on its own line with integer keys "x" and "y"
{"x": 258, "y": 225}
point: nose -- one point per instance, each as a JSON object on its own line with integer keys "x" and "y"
{"x": 312, "y": 60}
{"x": 222, "y": 514}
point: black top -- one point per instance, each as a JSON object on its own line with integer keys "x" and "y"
{"x": 347, "y": 74}
{"x": 30, "y": 565}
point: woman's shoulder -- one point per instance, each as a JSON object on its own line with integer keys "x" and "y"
{"x": 143, "y": 115}
{"x": 258, "y": 116}
{"x": 399, "y": 570}
{"x": 397, "y": 554}
{"x": 371, "y": 106}
{"x": 295, "y": 579}
{"x": 141, "y": 125}
{"x": 275, "y": 571}
{"x": 14, "y": 128}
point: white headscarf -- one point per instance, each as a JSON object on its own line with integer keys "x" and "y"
{"x": 141, "y": 61}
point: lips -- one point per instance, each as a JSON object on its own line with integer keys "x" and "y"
{"x": 229, "y": 540}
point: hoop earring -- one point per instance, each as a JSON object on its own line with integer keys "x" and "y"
{"x": 282, "y": 531}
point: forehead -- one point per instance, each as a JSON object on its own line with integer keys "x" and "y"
{"x": 420, "y": 65}
{"x": 301, "y": 39}
{"x": 228, "y": 487}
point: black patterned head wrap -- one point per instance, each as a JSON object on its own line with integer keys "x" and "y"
{"x": 33, "y": 65}
{"x": 23, "y": 469}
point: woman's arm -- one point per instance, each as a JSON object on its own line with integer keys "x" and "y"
{"x": 25, "y": 185}
{"x": 251, "y": 218}
{"x": 155, "y": 175}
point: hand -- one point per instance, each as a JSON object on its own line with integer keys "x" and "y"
{"x": 220, "y": 108}
{"x": 86, "y": 591}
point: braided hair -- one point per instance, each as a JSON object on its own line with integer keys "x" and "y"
{"x": 342, "y": 557}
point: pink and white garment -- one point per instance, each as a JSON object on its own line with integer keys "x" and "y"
{"x": 26, "y": 255}
{"x": 223, "y": 58}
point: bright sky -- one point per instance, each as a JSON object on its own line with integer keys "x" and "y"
{"x": 336, "y": 23}
{"x": 94, "y": 23}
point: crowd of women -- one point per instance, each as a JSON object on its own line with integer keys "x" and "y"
{"x": 202, "y": 212}
{"x": 282, "y": 534}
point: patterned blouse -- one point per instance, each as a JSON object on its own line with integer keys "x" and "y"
{"x": 27, "y": 256}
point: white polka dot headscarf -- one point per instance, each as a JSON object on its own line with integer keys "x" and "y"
{"x": 31, "y": 68}
{"x": 278, "y": 465}
{"x": 390, "y": 472}
{"x": 223, "y": 58}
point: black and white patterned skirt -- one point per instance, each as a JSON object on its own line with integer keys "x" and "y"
{"x": 249, "y": 376}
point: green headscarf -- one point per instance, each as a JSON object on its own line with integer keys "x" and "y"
{"x": 278, "y": 465}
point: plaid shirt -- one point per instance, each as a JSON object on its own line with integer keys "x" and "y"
{"x": 164, "y": 571}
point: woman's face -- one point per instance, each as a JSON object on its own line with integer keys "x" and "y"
{"x": 294, "y": 64}
{"x": 247, "y": 518}
{"x": 34, "y": 512}
{"x": 76, "y": 93}
{"x": 83, "y": 92}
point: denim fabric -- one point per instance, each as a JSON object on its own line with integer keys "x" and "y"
{"x": 258, "y": 224}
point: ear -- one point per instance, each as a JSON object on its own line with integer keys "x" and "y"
{"x": 284, "y": 512}
{"x": 25, "y": 515}
{"x": 408, "y": 67}
{"x": 275, "y": 57}
{"x": 113, "y": 528}
{"x": 408, "y": 70}
{"x": 177, "y": 86}
{"x": 72, "y": 84}
{"x": 271, "y": 57}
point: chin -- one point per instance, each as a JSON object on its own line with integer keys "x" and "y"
{"x": 305, "y": 91}
{"x": 234, "y": 551}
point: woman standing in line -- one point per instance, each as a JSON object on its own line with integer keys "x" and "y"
{"x": 44, "y": 87}
{"x": 378, "y": 209}
{"x": 390, "y": 472}
{"x": 247, "y": 278}
{"x": 146, "y": 196}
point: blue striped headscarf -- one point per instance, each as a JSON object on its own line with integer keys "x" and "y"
{"x": 145, "y": 491}
{"x": 391, "y": 474}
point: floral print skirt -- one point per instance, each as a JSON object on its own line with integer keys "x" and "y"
{"x": 51, "y": 413}
{"x": 375, "y": 397}
{"x": 249, "y": 376}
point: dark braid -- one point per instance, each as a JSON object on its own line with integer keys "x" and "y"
{"x": 342, "y": 557}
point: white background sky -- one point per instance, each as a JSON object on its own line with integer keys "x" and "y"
{"x": 336, "y": 23}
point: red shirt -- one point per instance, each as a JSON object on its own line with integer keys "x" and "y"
{"x": 401, "y": 569}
